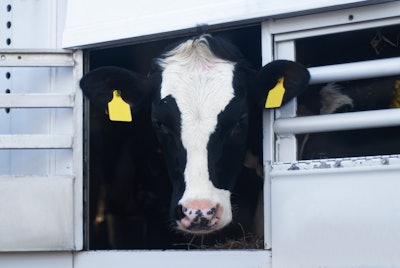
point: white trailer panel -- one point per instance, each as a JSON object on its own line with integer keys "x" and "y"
{"x": 40, "y": 131}
{"x": 93, "y": 22}
{"x": 37, "y": 213}
{"x": 336, "y": 213}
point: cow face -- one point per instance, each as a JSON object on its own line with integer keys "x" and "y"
{"x": 200, "y": 96}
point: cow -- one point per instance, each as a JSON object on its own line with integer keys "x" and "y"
{"x": 201, "y": 92}
{"x": 351, "y": 96}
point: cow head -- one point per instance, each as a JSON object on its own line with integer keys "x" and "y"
{"x": 199, "y": 94}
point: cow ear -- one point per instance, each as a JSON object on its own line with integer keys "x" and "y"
{"x": 100, "y": 85}
{"x": 278, "y": 82}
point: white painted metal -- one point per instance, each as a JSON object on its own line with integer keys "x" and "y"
{"x": 101, "y": 25}
{"x": 35, "y": 58}
{"x": 268, "y": 140}
{"x": 355, "y": 70}
{"x": 268, "y": 151}
{"x": 43, "y": 224}
{"x": 77, "y": 154}
{"x": 40, "y": 133}
{"x": 334, "y": 122}
{"x": 38, "y": 100}
{"x": 37, "y": 260}
{"x": 35, "y": 142}
{"x": 286, "y": 145}
{"x": 340, "y": 20}
{"x": 340, "y": 28}
{"x": 37, "y": 213}
{"x": 172, "y": 258}
{"x": 341, "y": 213}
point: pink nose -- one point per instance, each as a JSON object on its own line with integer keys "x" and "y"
{"x": 200, "y": 215}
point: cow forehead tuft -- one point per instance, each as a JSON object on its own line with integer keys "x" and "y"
{"x": 191, "y": 54}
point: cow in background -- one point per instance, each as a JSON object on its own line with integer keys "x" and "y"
{"x": 363, "y": 95}
{"x": 202, "y": 96}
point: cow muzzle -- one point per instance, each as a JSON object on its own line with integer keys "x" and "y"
{"x": 201, "y": 216}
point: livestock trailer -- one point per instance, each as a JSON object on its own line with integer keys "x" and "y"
{"x": 335, "y": 206}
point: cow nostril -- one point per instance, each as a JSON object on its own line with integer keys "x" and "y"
{"x": 212, "y": 211}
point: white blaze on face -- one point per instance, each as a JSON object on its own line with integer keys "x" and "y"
{"x": 202, "y": 87}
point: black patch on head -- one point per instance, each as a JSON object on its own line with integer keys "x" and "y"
{"x": 227, "y": 145}
{"x": 166, "y": 119}
{"x": 224, "y": 49}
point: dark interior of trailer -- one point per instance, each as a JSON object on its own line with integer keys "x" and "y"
{"x": 128, "y": 184}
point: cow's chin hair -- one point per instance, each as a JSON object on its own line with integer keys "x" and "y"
{"x": 200, "y": 232}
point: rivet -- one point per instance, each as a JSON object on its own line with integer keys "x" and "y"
{"x": 338, "y": 163}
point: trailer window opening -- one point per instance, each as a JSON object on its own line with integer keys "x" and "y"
{"x": 129, "y": 189}
{"x": 353, "y": 46}
{"x": 370, "y": 46}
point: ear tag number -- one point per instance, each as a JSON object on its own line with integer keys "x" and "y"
{"x": 275, "y": 95}
{"x": 118, "y": 109}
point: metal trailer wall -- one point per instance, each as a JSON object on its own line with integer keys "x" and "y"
{"x": 38, "y": 25}
{"x": 40, "y": 133}
{"x": 341, "y": 212}
{"x": 123, "y": 21}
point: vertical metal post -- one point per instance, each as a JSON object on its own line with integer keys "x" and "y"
{"x": 268, "y": 137}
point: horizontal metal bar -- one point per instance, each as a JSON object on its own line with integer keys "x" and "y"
{"x": 36, "y": 142}
{"x": 38, "y": 100}
{"x": 36, "y": 58}
{"x": 381, "y": 164}
{"x": 335, "y": 122}
{"x": 4, "y": 178}
{"x": 355, "y": 70}
{"x": 153, "y": 258}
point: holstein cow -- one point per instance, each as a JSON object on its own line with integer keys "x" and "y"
{"x": 369, "y": 94}
{"x": 200, "y": 94}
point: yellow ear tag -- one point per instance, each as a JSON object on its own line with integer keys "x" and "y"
{"x": 118, "y": 109}
{"x": 275, "y": 95}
